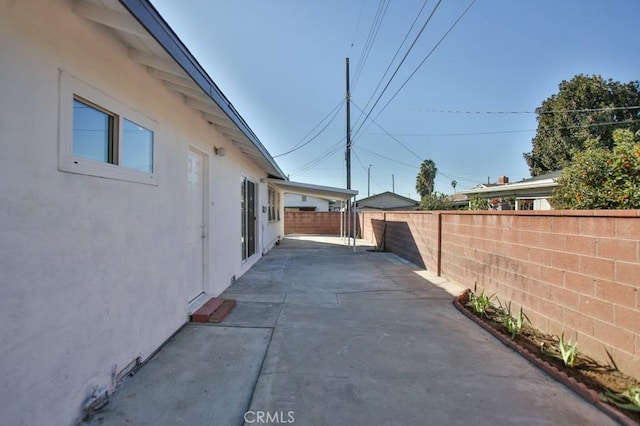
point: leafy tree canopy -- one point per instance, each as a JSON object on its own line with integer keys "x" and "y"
{"x": 478, "y": 203}
{"x": 426, "y": 178}
{"x": 585, "y": 108}
{"x": 602, "y": 178}
{"x": 437, "y": 201}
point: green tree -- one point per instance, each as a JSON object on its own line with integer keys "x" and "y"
{"x": 585, "y": 107}
{"x": 478, "y": 203}
{"x": 437, "y": 201}
{"x": 426, "y": 177}
{"x": 602, "y": 178}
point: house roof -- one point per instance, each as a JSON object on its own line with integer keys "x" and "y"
{"x": 388, "y": 193}
{"x": 318, "y": 191}
{"x": 537, "y": 185}
{"x": 153, "y": 44}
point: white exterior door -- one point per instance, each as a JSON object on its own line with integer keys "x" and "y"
{"x": 196, "y": 232}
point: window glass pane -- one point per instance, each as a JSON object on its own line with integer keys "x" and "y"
{"x": 136, "y": 150}
{"x": 91, "y": 128}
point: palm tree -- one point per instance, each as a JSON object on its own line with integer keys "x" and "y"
{"x": 454, "y": 183}
{"x": 426, "y": 177}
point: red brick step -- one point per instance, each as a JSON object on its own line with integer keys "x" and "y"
{"x": 215, "y": 310}
{"x": 224, "y": 310}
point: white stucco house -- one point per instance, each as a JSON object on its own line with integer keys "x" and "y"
{"x": 300, "y": 202}
{"x": 130, "y": 191}
{"x": 528, "y": 194}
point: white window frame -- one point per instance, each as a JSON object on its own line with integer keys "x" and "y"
{"x": 71, "y": 87}
{"x": 274, "y": 204}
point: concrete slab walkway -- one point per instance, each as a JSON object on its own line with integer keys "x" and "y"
{"x": 323, "y": 336}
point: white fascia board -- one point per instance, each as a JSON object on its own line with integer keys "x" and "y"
{"x": 318, "y": 191}
{"x": 523, "y": 186}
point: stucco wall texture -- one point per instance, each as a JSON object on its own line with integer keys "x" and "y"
{"x": 94, "y": 270}
{"x": 571, "y": 271}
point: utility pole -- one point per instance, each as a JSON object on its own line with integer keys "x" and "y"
{"x": 348, "y": 152}
{"x": 393, "y": 183}
{"x": 369, "y": 180}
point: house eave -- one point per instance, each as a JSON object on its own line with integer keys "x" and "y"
{"x": 325, "y": 192}
{"x": 513, "y": 189}
{"x": 149, "y": 18}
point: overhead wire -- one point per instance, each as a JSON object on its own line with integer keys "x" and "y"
{"x": 608, "y": 123}
{"x": 393, "y": 59}
{"x": 411, "y": 166}
{"x": 415, "y": 40}
{"x": 371, "y": 37}
{"x": 298, "y": 145}
{"x": 353, "y": 39}
{"x": 455, "y": 23}
{"x": 556, "y": 111}
{"x": 355, "y": 154}
{"x": 320, "y": 158}
{"x": 391, "y": 136}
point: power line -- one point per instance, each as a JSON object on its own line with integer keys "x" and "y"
{"x": 498, "y": 132}
{"x": 414, "y": 167}
{"x": 415, "y": 40}
{"x": 426, "y": 57}
{"x": 320, "y": 158}
{"x": 411, "y": 166}
{"x": 371, "y": 37}
{"x": 557, "y": 111}
{"x": 394, "y": 58}
{"x": 357, "y": 27}
{"x": 391, "y": 136}
{"x": 297, "y": 146}
{"x": 365, "y": 169}
{"x": 510, "y": 131}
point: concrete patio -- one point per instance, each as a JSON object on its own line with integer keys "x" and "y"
{"x": 323, "y": 336}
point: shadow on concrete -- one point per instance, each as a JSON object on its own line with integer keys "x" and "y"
{"x": 398, "y": 239}
{"x": 325, "y": 336}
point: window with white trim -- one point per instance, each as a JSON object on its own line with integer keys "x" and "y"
{"x": 100, "y": 136}
{"x": 274, "y": 204}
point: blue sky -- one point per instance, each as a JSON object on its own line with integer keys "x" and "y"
{"x": 282, "y": 65}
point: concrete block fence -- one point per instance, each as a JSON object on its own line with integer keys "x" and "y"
{"x": 576, "y": 272}
{"x": 313, "y": 223}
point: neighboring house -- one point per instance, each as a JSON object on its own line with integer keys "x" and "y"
{"x": 528, "y": 194}
{"x": 304, "y": 203}
{"x": 387, "y": 201}
{"x": 131, "y": 191}
{"x": 460, "y": 201}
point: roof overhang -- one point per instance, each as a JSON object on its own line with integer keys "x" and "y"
{"x": 318, "y": 191}
{"x": 513, "y": 189}
{"x": 153, "y": 44}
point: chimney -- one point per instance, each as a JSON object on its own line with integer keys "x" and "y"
{"x": 503, "y": 179}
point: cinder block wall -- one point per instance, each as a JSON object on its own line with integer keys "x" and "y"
{"x": 313, "y": 223}
{"x": 571, "y": 271}
{"x": 414, "y": 236}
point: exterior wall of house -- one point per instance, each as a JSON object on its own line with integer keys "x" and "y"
{"x": 297, "y": 200}
{"x": 571, "y": 271}
{"x": 93, "y": 269}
